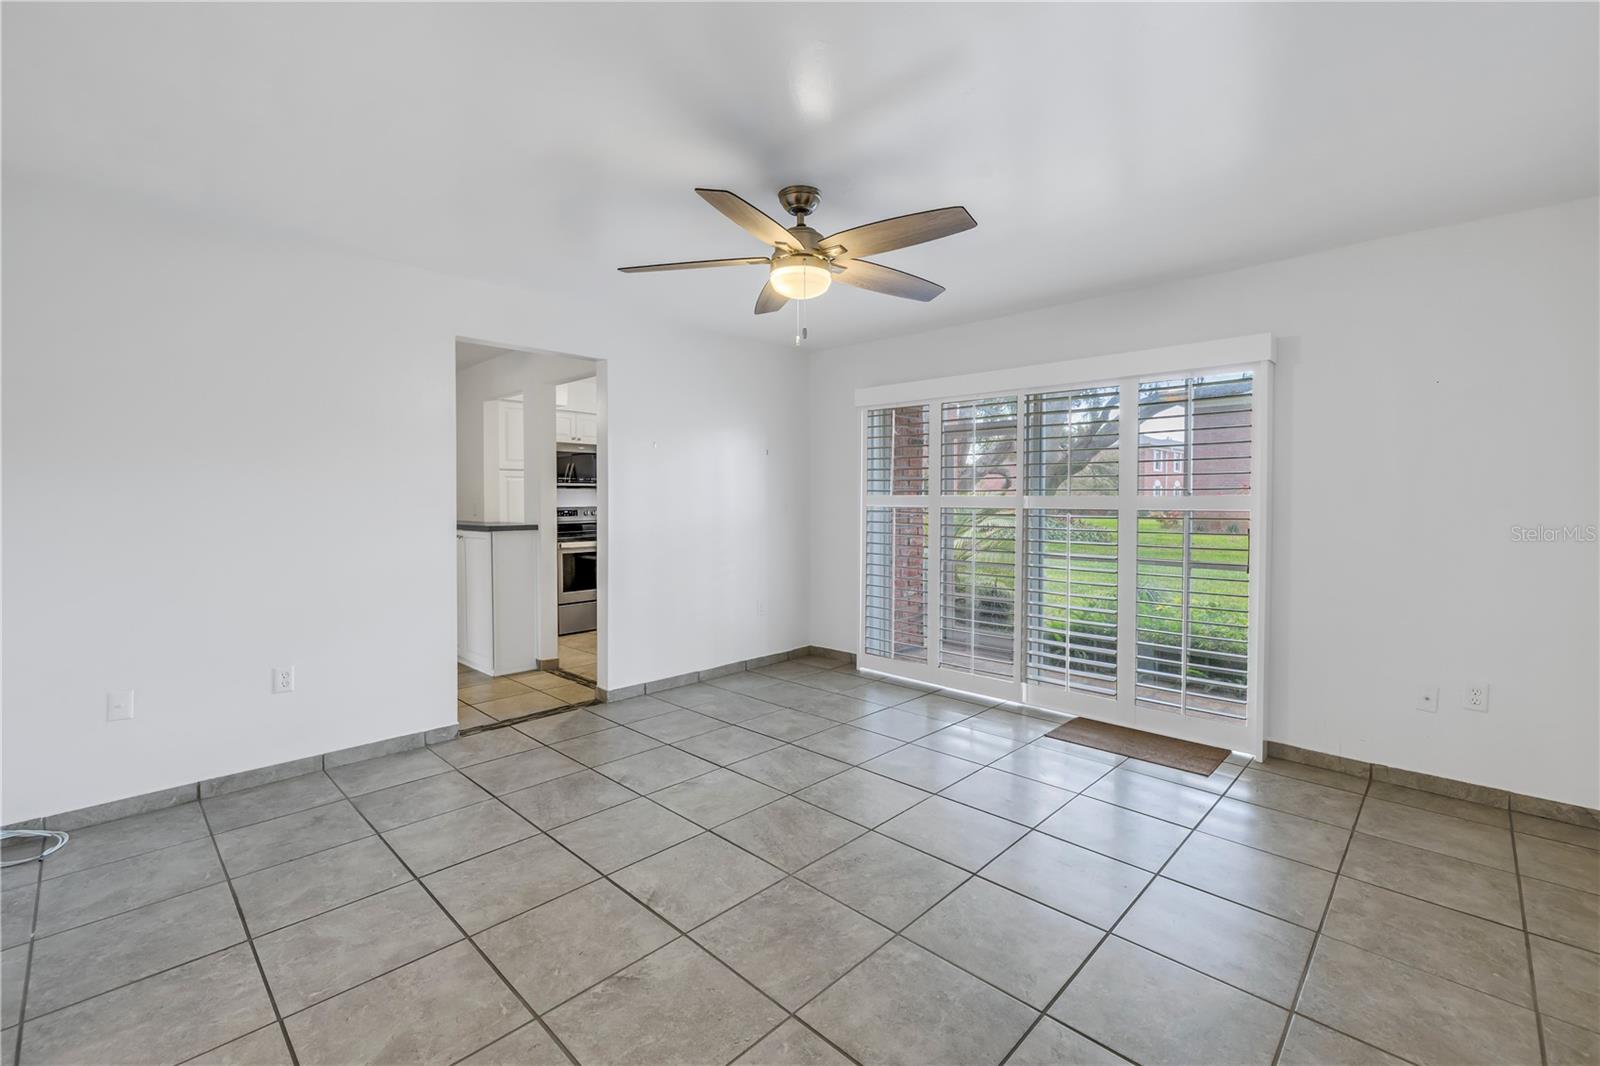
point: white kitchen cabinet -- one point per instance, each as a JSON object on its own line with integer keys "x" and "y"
{"x": 512, "y": 498}
{"x": 510, "y": 436}
{"x": 566, "y": 426}
{"x": 497, "y": 598}
{"x": 587, "y": 428}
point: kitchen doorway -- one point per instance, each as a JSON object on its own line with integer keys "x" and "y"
{"x": 528, "y": 533}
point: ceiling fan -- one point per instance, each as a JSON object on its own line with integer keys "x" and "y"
{"x": 804, "y": 263}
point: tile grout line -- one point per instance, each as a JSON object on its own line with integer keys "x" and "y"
{"x": 536, "y": 1016}
{"x": 1317, "y": 934}
{"x": 27, "y": 969}
{"x": 1527, "y": 943}
{"x": 244, "y": 927}
{"x": 1106, "y": 935}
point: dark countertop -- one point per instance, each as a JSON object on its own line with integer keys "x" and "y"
{"x": 495, "y": 527}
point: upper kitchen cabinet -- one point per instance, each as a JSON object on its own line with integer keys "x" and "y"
{"x": 575, "y": 412}
{"x": 510, "y": 434}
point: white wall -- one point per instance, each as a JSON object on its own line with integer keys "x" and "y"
{"x": 186, "y": 411}
{"x": 1433, "y": 390}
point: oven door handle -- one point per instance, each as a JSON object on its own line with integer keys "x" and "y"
{"x": 568, "y": 547}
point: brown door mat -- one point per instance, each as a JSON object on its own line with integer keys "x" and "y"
{"x": 1137, "y": 744}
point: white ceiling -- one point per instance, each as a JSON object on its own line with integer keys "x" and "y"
{"x": 1098, "y": 146}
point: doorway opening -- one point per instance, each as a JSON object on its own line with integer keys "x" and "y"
{"x": 529, "y": 544}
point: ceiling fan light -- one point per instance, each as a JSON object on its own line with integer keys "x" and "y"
{"x": 800, "y": 277}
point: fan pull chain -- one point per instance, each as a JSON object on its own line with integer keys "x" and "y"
{"x": 800, "y": 314}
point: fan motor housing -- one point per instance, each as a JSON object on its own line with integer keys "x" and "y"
{"x": 799, "y": 200}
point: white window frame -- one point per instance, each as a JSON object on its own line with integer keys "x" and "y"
{"x": 1125, "y": 370}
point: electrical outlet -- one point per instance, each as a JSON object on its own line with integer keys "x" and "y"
{"x": 1428, "y": 700}
{"x": 282, "y": 679}
{"x": 1476, "y": 697}
{"x": 119, "y": 706}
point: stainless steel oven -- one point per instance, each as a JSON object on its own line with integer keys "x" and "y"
{"x": 576, "y": 531}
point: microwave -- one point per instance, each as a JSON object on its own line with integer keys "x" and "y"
{"x": 576, "y": 467}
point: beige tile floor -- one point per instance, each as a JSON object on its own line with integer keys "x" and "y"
{"x": 803, "y": 864}
{"x": 577, "y": 654}
{"x": 483, "y": 700}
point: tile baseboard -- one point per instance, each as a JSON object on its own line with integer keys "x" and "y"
{"x": 84, "y": 817}
{"x": 1499, "y": 798}
{"x": 663, "y": 684}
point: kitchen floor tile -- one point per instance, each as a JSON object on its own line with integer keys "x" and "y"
{"x": 1149, "y": 795}
{"x": 677, "y": 725}
{"x": 1483, "y": 844}
{"x": 97, "y": 845}
{"x": 522, "y": 770}
{"x": 786, "y": 724}
{"x": 526, "y": 702}
{"x": 965, "y": 742}
{"x": 528, "y": 1046}
{"x": 1053, "y": 1044}
{"x": 569, "y": 725}
{"x": 1054, "y": 767}
{"x": 634, "y": 709}
{"x": 1290, "y": 794}
{"x": 1310, "y": 1044}
{"x": 1550, "y": 829}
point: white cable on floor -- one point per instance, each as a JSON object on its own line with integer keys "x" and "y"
{"x": 57, "y": 835}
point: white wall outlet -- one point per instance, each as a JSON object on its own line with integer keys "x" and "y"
{"x": 1476, "y": 696}
{"x": 282, "y": 679}
{"x": 1428, "y": 700}
{"x": 119, "y": 706}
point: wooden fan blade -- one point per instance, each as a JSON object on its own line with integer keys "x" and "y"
{"x": 750, "y": 218}
{"x": 770, "y": 299}
{"x": 697, "y": 264}
{"x": 887, "y": 280}
{"x": 901, "y": 232}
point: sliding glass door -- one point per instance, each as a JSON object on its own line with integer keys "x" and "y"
{"x": 1087, "y": 547}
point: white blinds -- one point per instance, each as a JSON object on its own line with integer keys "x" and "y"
{"x": 1072, "y": 600}
{"x": 1195, "y": 435}
{"x": 1071, "y": 441}
{"x": 1088, "y": 547}
{"x": 979, "y": 445}
{"x": 895, "y": 596}
{"x": 978, "y": 590}
{"x": 1193, "y": 587}
{"x": 897, "y": 451}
